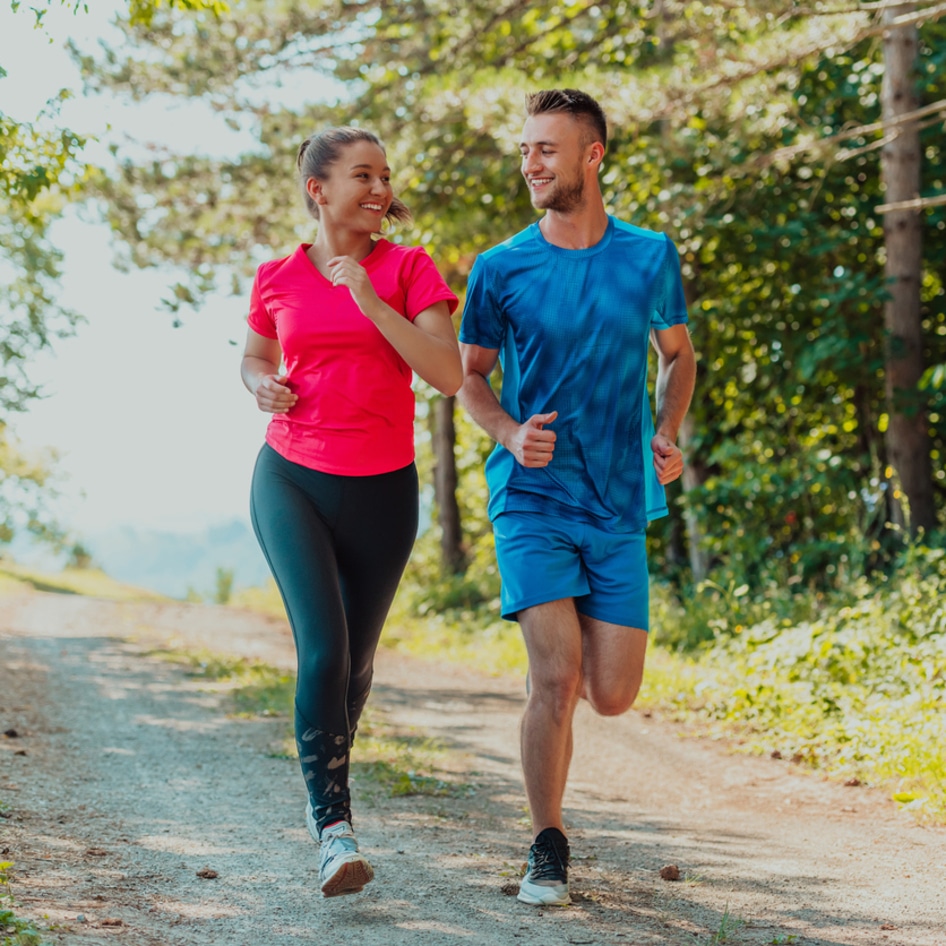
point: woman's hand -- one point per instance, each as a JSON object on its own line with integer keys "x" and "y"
{"x": 273, "y": 395}
{"x": 260, "y": 373}
{"x": 345, "y": 271}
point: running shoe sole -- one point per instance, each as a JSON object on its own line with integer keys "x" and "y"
{"x": 539, "y": 895}
{"x": 350, "y": 877}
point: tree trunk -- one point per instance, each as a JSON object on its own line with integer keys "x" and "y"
{"x": 445, "y": 487}
{"x": 694, "y": 476}
{"x": 908, "y": 444}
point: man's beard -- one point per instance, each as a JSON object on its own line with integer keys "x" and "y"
{"x": 565, "y": 199}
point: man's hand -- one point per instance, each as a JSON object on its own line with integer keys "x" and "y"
{"x": 531, "y": 444}
{"x": 668, "y": 460}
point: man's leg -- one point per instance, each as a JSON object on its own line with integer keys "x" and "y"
{"x": 612, "y": 663}
{"x": 553, "y": 639}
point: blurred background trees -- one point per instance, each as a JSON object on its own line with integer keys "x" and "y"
{"x": 767, "y": 140}
{"x": 41, "y": 170}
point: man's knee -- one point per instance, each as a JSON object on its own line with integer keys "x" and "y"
{"x": 611, "y": 701}
{"x": 557, "y": 692}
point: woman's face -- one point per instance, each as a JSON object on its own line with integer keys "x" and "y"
{"x": 357, "y": 191}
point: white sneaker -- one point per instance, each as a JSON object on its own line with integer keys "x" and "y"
{"x": 342, "y": 868}
{"x": 546, "y": 881}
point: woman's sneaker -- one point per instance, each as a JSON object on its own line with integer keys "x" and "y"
{"x": 342, "y": 868}
{"x": 546, "y": 880}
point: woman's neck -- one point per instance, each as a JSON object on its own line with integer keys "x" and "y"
{"x": 331, "y": 243}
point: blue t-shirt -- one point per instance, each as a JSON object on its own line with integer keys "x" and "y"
{"x": 573, "y": 331}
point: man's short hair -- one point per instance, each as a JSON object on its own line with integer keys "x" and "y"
{"x": 580, "y": 105}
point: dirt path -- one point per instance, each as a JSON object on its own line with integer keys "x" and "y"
{"x": 126, "y": 778}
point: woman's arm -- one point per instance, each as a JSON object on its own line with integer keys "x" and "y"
{"x": 428, "y": 344}
{"x": 260, "y": 372}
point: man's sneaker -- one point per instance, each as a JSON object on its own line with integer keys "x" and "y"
{"x": 342, "y": 868}
{"x": 546, "y": 880}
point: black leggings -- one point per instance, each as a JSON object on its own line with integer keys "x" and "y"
{"x": 337, "y": 547}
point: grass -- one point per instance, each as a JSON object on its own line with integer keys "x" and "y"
{"x": 14, "y": 931}
{"x": 385, "y": 761}
{"x": 728, "y": 925}
{"x": 70, "y": 581}
{"x": 858, "y": 692}
{"x": 855, "y": 689}
{"x": 472, "y": 636}
{"x": 256, "y": 688}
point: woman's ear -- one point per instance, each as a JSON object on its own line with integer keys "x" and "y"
{"x": 313, "y": 188}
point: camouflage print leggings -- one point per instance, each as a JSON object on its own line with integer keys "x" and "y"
{"x": 337, "y": 547}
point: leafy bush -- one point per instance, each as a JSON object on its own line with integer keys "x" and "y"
{"x": 859, "y": 691}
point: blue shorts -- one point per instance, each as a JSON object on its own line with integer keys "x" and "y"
{"x": 544, "y": 558}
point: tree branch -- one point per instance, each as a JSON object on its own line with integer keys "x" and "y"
{"x": 918, "y": 203}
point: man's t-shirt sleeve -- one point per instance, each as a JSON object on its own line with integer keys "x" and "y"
{"x": 672, "y": 309}
{"x": 483, "y": 321}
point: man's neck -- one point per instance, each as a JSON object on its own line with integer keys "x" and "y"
{"x": 576, "y": 230}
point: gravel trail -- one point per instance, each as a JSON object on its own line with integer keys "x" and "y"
{"x": 137, "y": 811}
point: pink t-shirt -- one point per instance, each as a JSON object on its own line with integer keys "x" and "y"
{"x": 355, "y": 413}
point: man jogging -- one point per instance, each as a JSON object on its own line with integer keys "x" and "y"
{"x": 569, "y": 307}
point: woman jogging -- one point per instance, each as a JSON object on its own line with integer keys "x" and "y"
{"x": 335, "y": 331}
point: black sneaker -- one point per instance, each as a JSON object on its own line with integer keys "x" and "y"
{"x": 546, "y": 880}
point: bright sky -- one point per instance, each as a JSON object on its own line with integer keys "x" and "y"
{"x": 152, "y": 423}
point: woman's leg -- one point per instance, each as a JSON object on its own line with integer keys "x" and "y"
{"x": 374, "y": 538}
{"x": 337, "y": 547}
{"x": 291, "y": 512}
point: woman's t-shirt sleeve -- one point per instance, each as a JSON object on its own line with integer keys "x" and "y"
{"x": 426, "y": 287}
{"x": 260, "y": 319}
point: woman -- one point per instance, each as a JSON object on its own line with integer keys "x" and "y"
{"x": 334, "y": 494}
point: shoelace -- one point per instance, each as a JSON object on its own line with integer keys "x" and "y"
{"x": 334, "y": 845}
{"x": 547, "y": 862}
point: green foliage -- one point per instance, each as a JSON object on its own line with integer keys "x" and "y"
{"x": 14, "y": 931}
{"x": 41, "y": 167}
{"x": 38, "y": 169}
{"x": 73, "y": 581}
{"x": 257, "y": 688}
{"x": 728, "y": 924}
{"x": 711, "y": 610}
{"x": 139, "y": 11}
{"x": 143, "y": 11}
{"x": 80, "y": 558}
{"x": 26, "y": 488}
{"x": 785, "y": 263}
{"x": 32, "y": 172}
{"x": 858, "y": 691}
{"x": 398, "y": 764}
{"x": 224, "y": 585}
{"x": 388, "y": 762}
{"x": 722, "y": 134}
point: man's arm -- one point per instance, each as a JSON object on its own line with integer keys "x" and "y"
{"x": 529, "y": 442}
{"x": 676, "y": 377}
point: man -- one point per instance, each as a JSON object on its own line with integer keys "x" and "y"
{"x": 569, "y": 307}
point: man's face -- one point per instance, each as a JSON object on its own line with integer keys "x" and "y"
{"x": 553, "y": 160}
